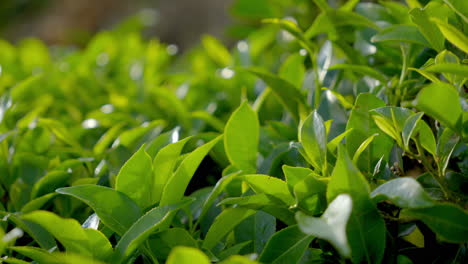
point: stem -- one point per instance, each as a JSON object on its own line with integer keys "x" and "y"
{"x": 436, "y": 174}
{"x": 404, "y": 70}
{"x": 318, "y": 85}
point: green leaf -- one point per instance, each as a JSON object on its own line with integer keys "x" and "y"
{"x": 257, "y": 228}
{"x": 403, "y": 192}
{"x": 287, "y": 245}
{"x": 175, "y": 187}
{"x": 441, "y": 101}
{"x": 428, "y": 28}
{"x": 401, "y": 33}
{"x": 310, "y": 194}
{"x": 116, "y": 210}
{"x": 49, "y": 183}
{"x": 366, "y": 229}
{"x": 37, "y": 254}
{"x": 295, "y": 175}
{"x": 332, "y": 145}
{"x": 331, "y": 226}
{"x": 293, "y": 29}
{"x": 409, "y": 127}
{"x": 217, "y": 190}
{"x": 216, "y": 51}
{"x": 363, "y": 127}
{"x": 460, "y": 7}
{"x": 187, "y": 255}
{"x": 313, "y": 138}
{"x": 130, "y": 137}
{"x": 72, "y": 236}
{"x": 238, "y": 260}
{"x": 446, "y": 220}
{"x": 363, "y": 147}
{"x": 329, "y": 21}
{"x": 142, "y": 229}
{"x": 361, "y": 69}
{"x": 271, "y": 186}
{"x": 36, "y": 231}
{"x": 163, "y": 242}
{"x": 286, "y": 93}
{"x": 37, "y": 203}
{"x": 453, "y": 35}
{"x": 224, "y": 223}
{"x": 107, "y": 138}
{"x": 293, "y": 70}
{"x": 163, "y": 167}
{"x": 449, "y": 68}
{"x": 241, "y": 137}
{"x": 135, "y": 178}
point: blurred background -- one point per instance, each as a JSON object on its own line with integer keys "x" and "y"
{"x": 179, "y": 22}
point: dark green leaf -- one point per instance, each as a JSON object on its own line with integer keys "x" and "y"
{"x": 115, "y": 209}
{"x": 287, "y": 245}
{"x": 446, "y": 220}
{"x": 403, "y": 192}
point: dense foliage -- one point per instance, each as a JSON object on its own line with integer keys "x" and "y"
{"x": 335, "y": 135}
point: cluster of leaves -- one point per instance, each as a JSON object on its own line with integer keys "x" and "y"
{"x": 344, "y": 142}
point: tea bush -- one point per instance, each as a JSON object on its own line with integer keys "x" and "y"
{"x": 335, "y": 135}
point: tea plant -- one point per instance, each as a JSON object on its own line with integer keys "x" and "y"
{"x": 336, "y": 135}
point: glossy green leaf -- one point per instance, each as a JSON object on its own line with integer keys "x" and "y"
{"x": 175, "y": 187}
{"x": 313, "y": 138}
{"x": 331, "y": 226}
{"x": 241, "y": 137}
{"x": 224, "y": 223}
{"x": 286, "y": 245}
{"x": 363, "y": 147}
{"x": 401, "y": 33}
{"x": 187, "y": 255}
{"x": 441, "y": 101}
{"x": 163, "y": 167}
{"x": 453, "y": 35}
{"x": 295, "y": 175}
{"x": 403, "y": 192}
{"x": 271, "y": 186}
{"x": 135, "y": 178}
{"x": 366, "y": 228}
{"x": 142, "y": 229}
{"x": 409, "y": 127}
{"x": 446, "y": 220}
{"x": 116, "y": 210}
{"x": 430, "y": 31}
{"x": 72, "y": 236}
{"x": 450, "y": 68}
